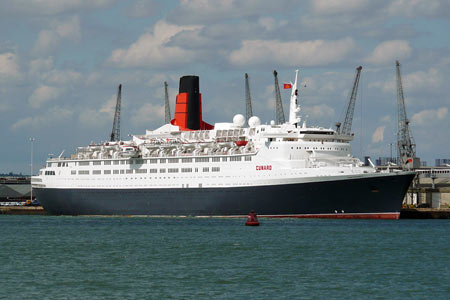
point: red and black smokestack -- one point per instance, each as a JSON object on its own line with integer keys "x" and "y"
{"x": 191, "y": 86}
{"x": 188, "y": 109}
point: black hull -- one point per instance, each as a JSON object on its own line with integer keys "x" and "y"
{"x": 375, "y": 196}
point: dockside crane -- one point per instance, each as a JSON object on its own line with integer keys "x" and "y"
{"x": 405, "y": 141}
{"x": 167, "y": 105}
{"x": 115, "y": 134}
{"x": 248, "y": 99}
{"x": 347, "y": 126}
{"x": 279, "y": 104}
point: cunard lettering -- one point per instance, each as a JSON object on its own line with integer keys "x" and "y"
{"x": 263, "y": 168}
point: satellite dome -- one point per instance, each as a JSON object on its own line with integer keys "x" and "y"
{"x": 239, "y": 120}
{"x": 254, "y": 121}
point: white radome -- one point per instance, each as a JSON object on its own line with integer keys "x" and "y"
{"x": 254, "y": 121}
{"x": 239, "y": 120}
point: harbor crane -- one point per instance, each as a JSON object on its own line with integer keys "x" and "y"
{"x": 248, "y": 99}
{"x": 347, "y": 127}
{"x": 115, "y": 134}
{"x": 405, "y": 141}
{"x": 279, "y": 104}
{"x": 167, "y": 105}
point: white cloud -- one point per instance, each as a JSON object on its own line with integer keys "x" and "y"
{"x": 52, "y": 116}
{"x": 48, "y": 39}
{"x": 93, "y": 117}
{"x": 321, "y": 111}
{"x": 41, "y": 65}
{"x": 268, "y": 23}
{"x": 43, "y": 94}
{"x": 414, "y": 8}
{"x": 157, "y": 80}
{"x": 9, "y": 66}
{"x": 152, "y": 49}
{"x": 63, "y": 77}
{"x": 148, "y": 114}
{"x": 417, "y": 81}
{"x": 430, "y": 117}
{"x": 206, "y": 11}
{"x": 378, "y": 135}
{"x": 423, "y": 80}
{"x": 109, "y": 107}
{"x": 49, "y": 7}
{"x": 304, "y": 53}
{"x": 143, "y": 9}
{"x": 389, "y": 51}
{"x": 338, "y": 6}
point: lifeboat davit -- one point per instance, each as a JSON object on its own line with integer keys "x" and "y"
{"x": 252, "y": 219}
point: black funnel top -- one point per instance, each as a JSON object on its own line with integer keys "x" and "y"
{"x": 190, "y": 84}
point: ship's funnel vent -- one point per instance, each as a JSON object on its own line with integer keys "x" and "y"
{"x": 188, "y": 110}
{"x": 190, "y": 85}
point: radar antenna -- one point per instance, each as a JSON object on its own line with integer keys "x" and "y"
{"x": 115, "y": 134}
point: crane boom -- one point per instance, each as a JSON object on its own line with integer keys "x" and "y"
{"x": 279, "y": 104}
{"x": 167, "y": 105}
{"x": 115, "y": 133}
{"x": 347, "y": 127}
{"x": 248, "y": 99}
{"x": 405, "y": 141}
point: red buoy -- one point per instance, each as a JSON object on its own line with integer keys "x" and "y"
{"x": 252, "y": 219}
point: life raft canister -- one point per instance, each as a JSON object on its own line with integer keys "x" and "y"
{"x": 252, "y": 219}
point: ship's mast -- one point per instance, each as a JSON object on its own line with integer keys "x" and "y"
{"x": 279, "y": 104}
{"x": 167, "y": 105}
{"x": 405, "y": 141}
{"x": 248, "y": 100}
{"x": 115, "y": 134}
{"x": 294, "y": 107}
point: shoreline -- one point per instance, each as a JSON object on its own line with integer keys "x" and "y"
{"x": 405, "y": 213}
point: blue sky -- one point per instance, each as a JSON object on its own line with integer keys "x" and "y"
{"x": 61, "y": 62}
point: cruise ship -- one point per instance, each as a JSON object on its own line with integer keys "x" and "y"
{"x": 191, "y": 168}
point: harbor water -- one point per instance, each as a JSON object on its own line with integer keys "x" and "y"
{"x": 48, "y": 257}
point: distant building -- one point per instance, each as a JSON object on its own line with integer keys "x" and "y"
{"x": 442, "y": 162}
{"x": 423, "y": 163}
{"x": 14, "y": 188}
{"x": 383, "y": 161}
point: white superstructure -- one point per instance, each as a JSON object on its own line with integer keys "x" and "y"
{"x": 230, "y": 155}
